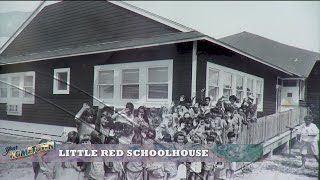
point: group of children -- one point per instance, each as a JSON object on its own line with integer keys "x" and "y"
{"x": 187, "y": 121}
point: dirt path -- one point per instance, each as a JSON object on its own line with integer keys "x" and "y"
{"x": 281, "y": 167}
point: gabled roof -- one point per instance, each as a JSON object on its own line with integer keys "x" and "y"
{"x": 292, "y": 59}
{"x": 70, "y": 24}
{"x": 72, "y": 28}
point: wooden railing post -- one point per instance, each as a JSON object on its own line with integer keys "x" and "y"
{"x": 278, "y": 122}
{"x": 265, "y": 129}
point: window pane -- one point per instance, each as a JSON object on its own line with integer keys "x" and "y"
{"x": 250, "y": 85}
{"x": 130, "y": 91}
{"x": 28, "y": 92}
{"x": 63, "y": 78}
{"x": 259, "y": 99}
{"x": 213, "y": 77}
{"x": 226, "y": 93}
{"x": 259, "y": 87}
{"x": 106, "y": 77}
{"x": 240, "y": 95}
{"x": 3, "y": 92}
{"x": 158, "y": 91}
{"x": 3, "y": 88}
{"x": 3, "y": 82}
{"x": 227, "y": 80}
{"x": 15, "y": 81}
{"x": 28, "y": 81}
{"x": 15, "y": 92}
{"x": 130, "y": 76}
{"x": 214, "y": 92}
{"x": 158, "y": 74}
{"x": 289, "y": 83}
{"x": 105, "y": 92}
{"x": 239, "y": 83}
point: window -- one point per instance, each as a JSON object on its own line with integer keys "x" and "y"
{"x": 289, "y": 83}
{"x": 158, "y": 83}
{"x": 239, "y": 87}
{"x": 249, "y": 86}
{"x": 259, "y": 89}
{"x": 17, "y": 88}
{"x": 142, "y": 83}
{"x": 28, "y": 86}
{"x": 130, "y": 84}
{"x": 15, "y": 91}
{"x": 213, "y": 84}
{"x": 227, "y": 84}
{"x": 61, "y": 81}
{"x": 223, "y": 81}
{"x": 14, "y": 109}
{"x": 302, "y": 89}
{"x": 3, "y": 87}
{"x": 105, "y": 84}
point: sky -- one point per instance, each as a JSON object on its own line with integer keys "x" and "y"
{"x": 296, "y": 23}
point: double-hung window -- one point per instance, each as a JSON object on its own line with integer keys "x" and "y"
{"x": 223, "y": 81}
{"x": 227, "y": 84}
{"x": 157, "y": 86}
{"x": 259, "y": 93}
{"x": 249, "y": 86}
{"x": 142, "y": 83}
{"x": 105, "y": 84}
{"x": 3, "y": 88}
{"x": 213, "y": 90}
{"x": 130, "y": 84}
{"x": 239, "y": 87}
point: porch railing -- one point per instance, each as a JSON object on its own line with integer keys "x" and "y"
{"x": 271, "y": 126}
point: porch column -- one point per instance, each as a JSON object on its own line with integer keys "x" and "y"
{"x": 194, "y": 69}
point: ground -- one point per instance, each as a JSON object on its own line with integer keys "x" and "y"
{"x": 279, "y": 167}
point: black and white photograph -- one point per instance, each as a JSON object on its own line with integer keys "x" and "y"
{"x": 243, "y": 74}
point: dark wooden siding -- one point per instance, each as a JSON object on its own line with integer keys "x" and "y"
{"x": 70, "y": 24}
{"x": 60, "y": 109}
{"x": 224, "y": 57}
{"x": 313, "y": 91}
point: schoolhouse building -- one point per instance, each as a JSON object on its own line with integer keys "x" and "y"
{"x": 70, "y": 53}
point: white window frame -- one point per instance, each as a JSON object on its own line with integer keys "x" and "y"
{"x": 213, "y": 85}
{"x": 56, "y": 81}
{"x": 302, "y": 88}
{"x": 125, "y": 84}
{"x": 243, "y": 90}
{"x": 108, "y": 84}
{"x": 14, "y": 113}
{"x": 235, "y": 73}
{"x": 21, "y": 99}
{"x": 143, "y": 67}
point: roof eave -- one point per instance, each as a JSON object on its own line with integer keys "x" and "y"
{"x": 210, "y": 39}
